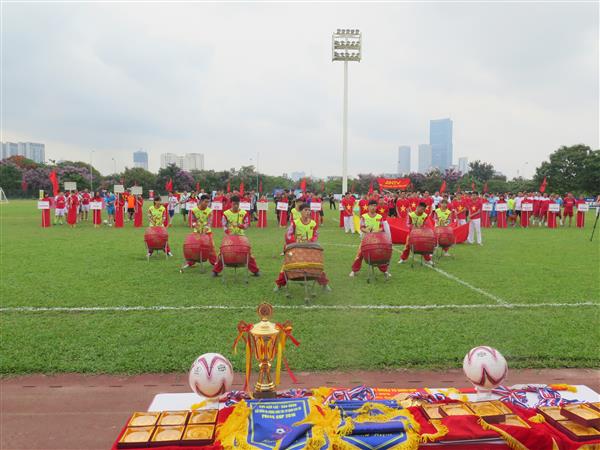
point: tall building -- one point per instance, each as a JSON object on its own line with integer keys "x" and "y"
{"x": 404, "y": 159}
{"x": 424, "y": 158}
{"x": 30, "y": 150}
{"x": 140, "y": 159}
{"x": 463, "y": 164}
{"x": 189, "y": 161}
{"x": 440, "y": 139}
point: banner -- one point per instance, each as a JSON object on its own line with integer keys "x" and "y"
{"x": 487, "y": 207}
{"x": 70, "y": 185}
{"x": 118, "y": 188}
{"x": 43, "y": 205}
{"x": 554, "y": 207}
{"x": 583, "y": 207}
{"x": 282, "y": 206}
{"x": 393, "y": 183}
{"x": 500, "y": 207}
{"x": 137, "y": 190}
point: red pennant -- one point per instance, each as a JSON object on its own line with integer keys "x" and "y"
{"x": 543, "y": 186}
{"x": 228, "y": 187}
{"x": 303, "y": 185}
{"x": 23, "y": 184}
{"x": 260, "y": 187}
{"x": 443, "y": 187}
{"x": 371, "y": 187}
{"x": 485, "y": 188}
{"x": 242, "y": 189}
{"x": 198, "y": 186}
{"x": 169, "y": 185}
{"x": 54, "y": 181}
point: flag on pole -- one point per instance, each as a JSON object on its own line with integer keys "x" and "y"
{"x": 228, "y": 187}
{"x": 23, "y": 183}
{"x": 543, "y": 186}
{"x": 443, "y": 187}
{"x": 197, "y": 186}
{"x": 485, "y": 188}
{"x": 371, "y": 187}
{"x": 169, "y": 185}
{"x": 473, "y": 186}
{"x": 54, "y": 181}
{"x": 260, "y": 187}
{"x": 242, "y": 188}
{"x": 303, "y": 185}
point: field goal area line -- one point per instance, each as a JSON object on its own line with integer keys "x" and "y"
{"x": 158, "y": 308}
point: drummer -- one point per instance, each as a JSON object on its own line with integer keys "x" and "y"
{"x": 442, "y": 219}
{"x": 201, "y": 219}
{"x": 156, "y": 214}
{"x": 235, "y": 221}
{"x": 303, "y": 229}
{"x": 371, "y": 222}
{"x": 416, "y": 220}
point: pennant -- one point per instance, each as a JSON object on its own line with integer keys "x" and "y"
{"x": 543, "y": 186}
{"x": 54, "y": 181}
{"x": 242, "y": 189}
{"x": 371, "y": 187}
{"x": 198, "y": 186}
{"x": 23, "y": 183}
{"x": 303, "y": 185}
{"x": 169, "y": 185}
{"x": 485, "y": 188}
{"x": 260, "y": 187}
{"x": 228, "y": 187}
{"x": 443, "y": 187}
{"x": 472, "y": 185}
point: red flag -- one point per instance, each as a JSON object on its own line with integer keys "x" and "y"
{"x": 228, "y": 187}
{"x": 458, "y": 189}
{"x": 54, "y": 181}
{"x": 543, "y": 186}
{"x": 169, "y": 185}
{"x": 197, "y": 186}
{"x": 242, "y": 189}
{"x": 485, "y": 188}
{"x": 443, "y": 187}
{"x": 322, "y": 186}
{"x": 352, "y": 188}
{"x": 371, "y": 187}
{"x": 303, "y": 185}
{"x": 472, "y": 185}
{"x": 260, "y": 187}
{"x": 23, "y": 184}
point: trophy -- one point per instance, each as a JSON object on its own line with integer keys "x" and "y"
{"x": 265, "y": 340}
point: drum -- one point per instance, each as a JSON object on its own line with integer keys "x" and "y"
{"x": 445, "y": 237}
{"x": 156, "y": 238}
{"x": 422, "y": 240}
{"x": 235, "y": 250}
{"x": 303, "y": 260}
{"x": 376, "y": 248}
{"x": 197, "y": 247}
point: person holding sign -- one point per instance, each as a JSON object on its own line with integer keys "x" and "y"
{"x": 553, "y": 212}
{"x": 501, "y": 209}
{"x": 316, "y": 209}
{"x": 475, "y": 207}
{"x": 235, "y": 221}
{"x": 303, "y": 229}
{"x": 282, "y": 209}
{"x": 156, "y": 214}
{"x": 582, "y": 209}
{"x": 526, "y": 209}
{"x": 262, "y": 206}
{"x": 45, "y": 207}
{"x": 416, "y": 219}
{"x": 371, "y": 222}
{"x": 96, "y": 207}
{"x": 119, "y": 210}
{"x": 543, "y": 212}
{"x": 73, "y": 204}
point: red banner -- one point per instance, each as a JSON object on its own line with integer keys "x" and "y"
{"x": 393, "y": 183}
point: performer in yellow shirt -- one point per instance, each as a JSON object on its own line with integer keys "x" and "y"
{"x": 370, "y": 222}
{"x": 201, "y": 220}
{"x": 442, "y": 219}
{"x": 416, "y": 220}
{"x": 156, "y": 217}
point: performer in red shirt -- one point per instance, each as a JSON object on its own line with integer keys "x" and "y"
{"x": 475, "y": 206}
{"x": 85, "y": 204}
{"x": 417, "y": 219}
{"x": 485, "y": 215}
{"x": 317, "y": 216}
{"x": 138, "y": 214}
{"x": 382, "y": 208}
{"x": 347, "y": 205}
{"x": 526, "y": 215}
{"x": 569, "y": 203}
{"x": 552, "y": 216}
{"x": 119, "y": 205}
{"x": 363, "y": 203}
{"x": 580, "y": 220}
{"x": 73, "y": 203}
{"x": 402, "y": 206}
{"x": 459, "y": 205}
{"x": 97, "y": 213}
{"x": 428, "y": 200}
{"x": 501, "y": 215}
{"x": 544, "y": 202}
{"x": 60, "y": 205}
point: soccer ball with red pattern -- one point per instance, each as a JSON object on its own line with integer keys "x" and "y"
{"x": 485, "y": 367}
{"x": 211, "y": 375}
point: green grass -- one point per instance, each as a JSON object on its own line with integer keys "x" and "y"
{"x": 107, "y": 267}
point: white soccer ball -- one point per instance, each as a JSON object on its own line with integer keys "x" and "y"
{"x": 211, "y": 375}
{"x": 485, "y": 367}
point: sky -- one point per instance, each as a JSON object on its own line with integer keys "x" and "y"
{"x": 245, "y": 81}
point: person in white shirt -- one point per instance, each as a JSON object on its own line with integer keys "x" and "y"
{"x": 518, "y": 201}
{"x": 437, "y": 198}
{"x": 171, "y": 204}
{"x": 183, "y": 199}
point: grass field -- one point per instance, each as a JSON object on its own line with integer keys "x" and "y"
{"x": 534, "y": 294}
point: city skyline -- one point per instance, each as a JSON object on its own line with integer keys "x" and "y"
{"x": 532, "y": 94}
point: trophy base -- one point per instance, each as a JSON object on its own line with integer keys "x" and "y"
{"x": 265, "y": 394}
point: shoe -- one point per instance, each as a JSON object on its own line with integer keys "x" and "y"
{"x": 169, "y": 254}
{"x": 352, "y": 274}
{"x": 327, "y": 288}
{"x": 214, "y": 274}
{"x": 401, "y": 261}
{"x": 429, "y": 263}
{"x": 387, "y": 275}
{"x": 276, "y": 289}
{"x": 148, "y": 255}
{"x": 256, "y": 274}
{"x": 447, "y": 254}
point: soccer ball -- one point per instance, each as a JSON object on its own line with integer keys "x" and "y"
{"x": 485, "y": 367}
{"x": 211, "y": 375}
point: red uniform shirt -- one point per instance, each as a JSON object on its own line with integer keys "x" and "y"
{"x": 569, "y": 203}
{"x": 85, "y": 198}
{"x": 413, "y": 202}
{"x": 475, "y": 209}
{"x": 348, "y": 205}
{"x": 460, "y": 208}
{"x": 402, "y": 206}
{"x": 60, "y": 201}
{"x": 363, "y": 204}
{"x": 383, "y": 210}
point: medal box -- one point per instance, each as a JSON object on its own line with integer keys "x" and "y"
{"x": 143, "y": 419}
{"x": 135, "y": 437}
{"x": 198, "y": 434}
{"x": 455, "y": 409}
{"x": 514, "y": 421}
{"x": 167, "y": 435}
{"x": 489, "y": 411}
{"x": 583, "y": 415}
{"x": 577, "y": 431}
{"x": 173, "y": 418}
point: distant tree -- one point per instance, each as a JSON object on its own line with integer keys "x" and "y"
{"x": 575, "y": 168}
{"x": 481, "y": 171}
{"x": 21, "y": 162}
{"x": 10, "y": 177}
{"x": 140, "y": 177}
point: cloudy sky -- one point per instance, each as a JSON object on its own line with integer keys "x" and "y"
{"x": 233, "y": 80}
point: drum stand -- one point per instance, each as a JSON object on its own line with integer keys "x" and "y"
{"x": 372, "y": 274}
{"x": 200, "y": 263}
{"x": 155, "y": 250}
{"x": 412, "y": 261}
{"x": 309, "y": 288}
{"x": 235, "y": 268}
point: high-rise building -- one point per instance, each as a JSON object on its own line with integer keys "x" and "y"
{"x": 424, "y": 158}
{"x": 140, "y": 159}
{"x": 440, "y": 139}
{"x": 30, "y": 150}
{"x": 189, "y": 161}
{"x": 404, "y": 159}
{"x": 463, "y": 164}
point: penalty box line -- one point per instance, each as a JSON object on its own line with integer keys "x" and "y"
{"x": 159, "y": 308}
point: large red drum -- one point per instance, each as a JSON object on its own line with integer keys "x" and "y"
{"x": 235, "y": 250}
{"x": 197, "y": 247}
{"x": 376, "y": 248}
{"x": 445, "y": 237}
{"x": 422, "y": 240}
{"x": 156, "y": 238}
{"x": 303, "y": 261}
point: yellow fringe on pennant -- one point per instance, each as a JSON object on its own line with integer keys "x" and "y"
{"x": 441, "y": 431}
{"x": 199, "y": 405}
{"x": 321, "y": 393}
{"x": 324, "y": 421}
{"x": 233, "y": 433}
{"x": 563, "y": 387}
{"x": 510, "y": 441}
{"x": 538, "y": 418}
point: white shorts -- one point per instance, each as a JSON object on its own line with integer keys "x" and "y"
{"x": 59, "y": 212}
{"x": 85, "y": 208}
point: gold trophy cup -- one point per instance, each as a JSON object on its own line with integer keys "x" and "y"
{"x": 264, "y": 340}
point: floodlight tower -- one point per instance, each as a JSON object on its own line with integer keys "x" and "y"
{"x": 346, "y": 45}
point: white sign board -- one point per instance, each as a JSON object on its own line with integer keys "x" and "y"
{"x": 527, "y": 207}
{"x": 118, "y": 189}
{"x": 43, "y": 205}
{"x": 583, "y": 207}
{"x": 487, "y": 207}
{"x": 137, "y": 190}
{"x": 262, "y": 206}
{"x": 70, "y": 185}
{"x": 95, "y": 205}
{"x": 282, "y": 206}
{"x": 500, "y": 207}
{"x": 190, "y": 205}
{"x": 217, "y": 206}
{"x": 554, "y": 207}
{"x": 245, "y": 206}
{"x": 315, "y": 206}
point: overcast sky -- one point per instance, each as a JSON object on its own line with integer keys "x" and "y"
{"x": 231, "y": 80}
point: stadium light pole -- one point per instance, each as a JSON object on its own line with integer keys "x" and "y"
{"x": 346, "y": 45}
{"x": 91, "y": 172}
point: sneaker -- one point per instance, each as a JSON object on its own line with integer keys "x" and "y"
{"x": 256, "y": 274}
{"x": 327, "y": 288}
{"x": 276, "y": 289}
{"x": 447, "y": 254}
{"x": 214, "y": 274}
{"x": 429, "y": 263}
{"x": 169, "y": 254}
{"x": 148, "y": 255}
{"x": 387, "y": 275}
{"x": 401, "y": 261}
{"x": 352, "y": 274}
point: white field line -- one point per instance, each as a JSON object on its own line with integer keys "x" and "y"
{"x": 158, "y": 308}
{"x": 498, "y": 300}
